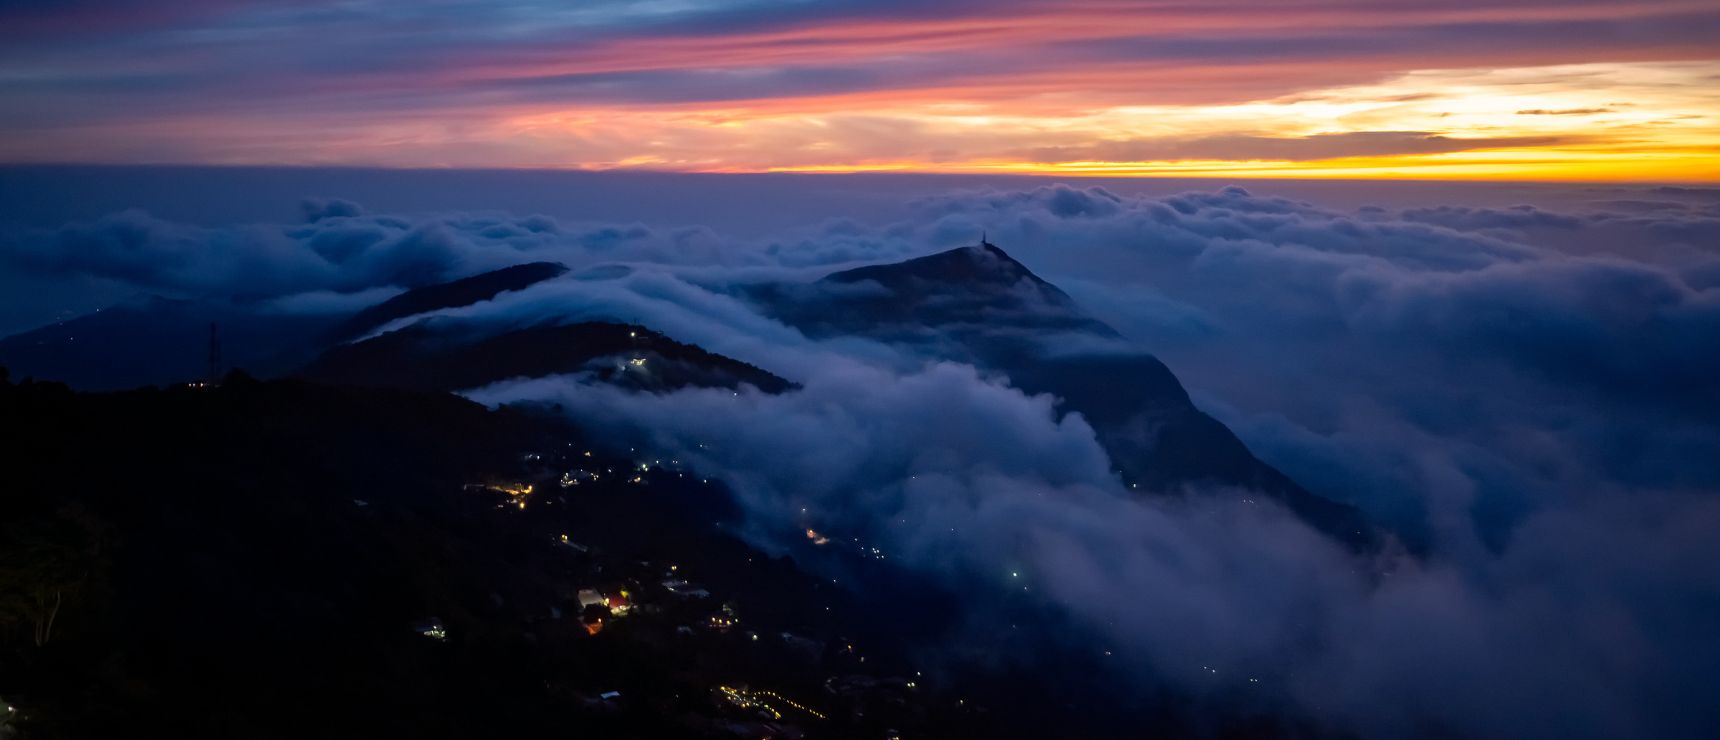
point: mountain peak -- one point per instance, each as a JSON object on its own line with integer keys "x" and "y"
{"x": 995, "y": 252}
{"x": 981, "y": 264}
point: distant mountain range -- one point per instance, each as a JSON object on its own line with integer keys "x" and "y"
{"x": 972, "y": 304}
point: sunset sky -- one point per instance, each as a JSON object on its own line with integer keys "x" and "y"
{"x": 1458, "y": 89}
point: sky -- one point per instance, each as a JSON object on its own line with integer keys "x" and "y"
{"x": 1517, "y": 373}
{"x": 1505, "y": 90}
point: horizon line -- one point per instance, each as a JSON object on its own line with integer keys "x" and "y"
{"x": 866, "y": 172}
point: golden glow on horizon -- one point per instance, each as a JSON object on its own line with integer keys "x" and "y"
{"x": 1648, "y": 121}
{"x": 1651, "y": 121}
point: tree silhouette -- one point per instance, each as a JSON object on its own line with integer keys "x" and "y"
{"x": 45, "y": 560}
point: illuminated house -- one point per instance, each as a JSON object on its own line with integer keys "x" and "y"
{"x": 620, "y": 604}
{"x": 432, "y": 628}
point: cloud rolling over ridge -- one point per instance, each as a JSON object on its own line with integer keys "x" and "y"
{"x": 1525, "y": 392}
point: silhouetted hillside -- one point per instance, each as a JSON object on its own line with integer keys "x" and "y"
{"x": 462, "y": 292}
{"x": 979, "y": 295}
{"x": 433, "y": 355}
{"x": 284, "y": 559}
{"x": 978, "y": 304}
{"x": 159, "y": 341}
{"x": 256, "y": 559}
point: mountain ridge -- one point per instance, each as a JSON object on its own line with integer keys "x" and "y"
{"x": 967, "y": 303}
{"x": 974, "y": 304}
{"x": 452, "y": 294}
{"x": 428, "y": 356}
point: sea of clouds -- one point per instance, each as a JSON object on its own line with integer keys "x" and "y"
{"x": 1527, "y": 396}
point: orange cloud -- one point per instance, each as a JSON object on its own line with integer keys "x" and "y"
{"x": 1506, "y": 89}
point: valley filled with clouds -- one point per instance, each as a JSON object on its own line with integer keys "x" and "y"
{"x": 1522, "y": 395}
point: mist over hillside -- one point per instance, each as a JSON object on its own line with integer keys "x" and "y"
{"x": 1388, "y": 469}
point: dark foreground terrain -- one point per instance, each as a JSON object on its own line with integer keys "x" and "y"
{"x": 288, "y": 559}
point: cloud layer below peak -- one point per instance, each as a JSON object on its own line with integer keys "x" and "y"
{"x": 1524, "y": 391}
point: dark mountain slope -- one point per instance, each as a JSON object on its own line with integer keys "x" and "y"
{"x": 438, "y": 355}
{"x": 1160, "y": 441}
{"x": 462, "y": 292}
{"x": 159, "y": 341}
{"x": 979, "y": 295}
{"x": 249, "y": 561}
{"x": 922, "y": 278}
{"x": 979, "y": 305}
{"x": 252, "y": 560}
